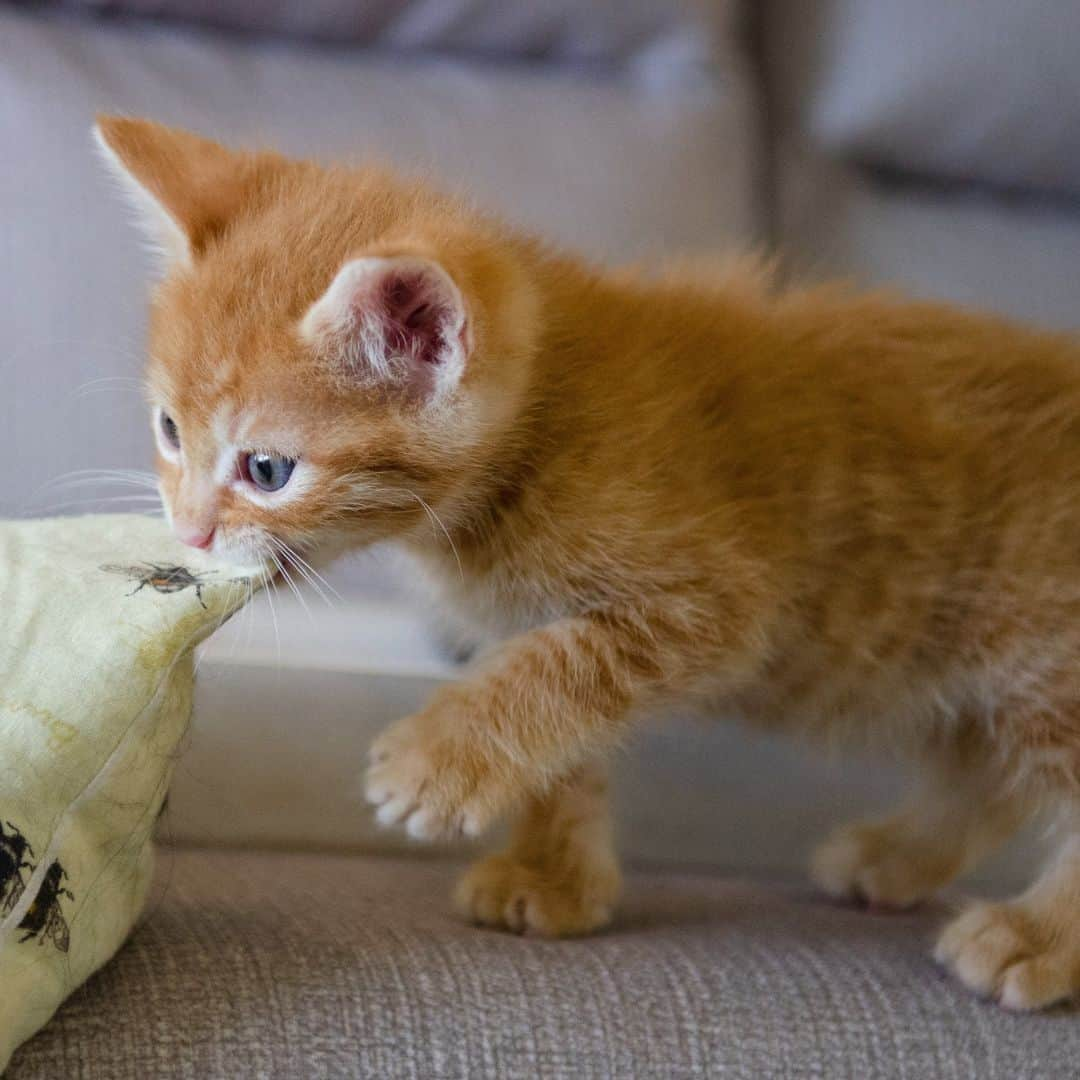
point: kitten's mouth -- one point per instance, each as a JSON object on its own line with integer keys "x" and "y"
{"x": 249, "y": 556}
{"x": 259, "y": 554}
{"x": 251, "y": 568}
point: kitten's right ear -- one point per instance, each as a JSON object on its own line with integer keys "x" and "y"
{"x": 184, "y": 187}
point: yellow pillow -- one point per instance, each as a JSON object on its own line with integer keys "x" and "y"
{"x": 99, "y": 618}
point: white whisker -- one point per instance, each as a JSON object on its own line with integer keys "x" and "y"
{"x": 233, "y": 585}
{"x": 109, "y": 382}
{"x": 271, "y": 588}
{"x": 86, "y": 477}
{"x": 89, "y": 481}
{"x": 305, "y": 569}
{"x": 249, "y": 621}
{"x": 292, "y": 585}
{"x": 152, "y": 500}
{"x": 435, "y": 519}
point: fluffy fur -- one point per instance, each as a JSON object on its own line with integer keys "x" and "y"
{"x": 840, "y": 515}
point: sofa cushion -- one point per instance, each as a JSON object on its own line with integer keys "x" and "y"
{"x": 601, "y": 30}
{"x": 1018, "y": 257}
{"x": 303, "y": 965}
{"x": 985, "y": 91}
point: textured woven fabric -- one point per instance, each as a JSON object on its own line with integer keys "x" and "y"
{"x": 335, "y": 966}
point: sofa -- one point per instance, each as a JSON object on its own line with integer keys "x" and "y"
{"x": 929, "y": 148}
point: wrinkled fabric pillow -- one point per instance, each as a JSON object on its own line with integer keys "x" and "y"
{"x": 98, "y": 620}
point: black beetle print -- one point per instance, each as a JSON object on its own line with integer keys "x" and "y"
{"x": 14, "y": 847}
{"x": 161, "y": 578}
{"x": 44, "y": 918}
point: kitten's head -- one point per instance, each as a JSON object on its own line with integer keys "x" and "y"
{"x": 330, "y": 349}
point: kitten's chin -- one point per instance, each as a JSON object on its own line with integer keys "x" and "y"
{"x": 248, "y": 560}
{"x": 254, "y": 570}
{"x": 249, "y": 566}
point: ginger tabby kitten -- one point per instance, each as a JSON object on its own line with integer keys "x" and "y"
{"x": 839, "y": 515}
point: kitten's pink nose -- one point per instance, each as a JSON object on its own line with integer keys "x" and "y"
{"x": 194, "y": 536}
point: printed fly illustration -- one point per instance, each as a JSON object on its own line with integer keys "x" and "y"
{"x": 161, "y": 578}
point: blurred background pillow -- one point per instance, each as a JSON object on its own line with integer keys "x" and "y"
{"x": 601, "y": 31}
{"x": 986, "y": 91}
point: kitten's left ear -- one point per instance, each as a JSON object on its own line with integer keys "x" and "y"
{"x": 399, "y": 324}
{"x": 185, "y": 188}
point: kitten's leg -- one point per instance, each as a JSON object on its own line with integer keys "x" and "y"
{"x": 956, "y": 816}
{"x": 559, "y": 874}
{"x": 543, "y": 704}
{"x": 1026, "y": 952}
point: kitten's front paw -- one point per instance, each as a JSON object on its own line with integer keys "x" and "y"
{"x": 880, "y": 863}
{"x": 1009, "y": 952}
{"x": 505, "y": 892}
{"x": 423, "y": 774}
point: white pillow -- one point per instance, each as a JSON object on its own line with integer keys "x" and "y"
{"x": 100, "y": 617}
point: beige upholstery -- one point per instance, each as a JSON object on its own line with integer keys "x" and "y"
{"x": 981, "y": 91}
{"x": 966, "y": 105}
{"x": 335, "y": 966}
{"x": 601, "y": 31}
{"x": 1014, "y": 256}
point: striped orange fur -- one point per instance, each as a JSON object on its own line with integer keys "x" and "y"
{"x": 840, "y": 515}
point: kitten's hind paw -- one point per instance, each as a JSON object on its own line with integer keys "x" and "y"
{"x": 503, "y": 892}
{"x": 1010, "y": 953}
{"x": 881, "y": 864}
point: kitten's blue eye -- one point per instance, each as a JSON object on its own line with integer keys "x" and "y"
{"x": 268, "y": 472}
{"x": 169, "y": 431}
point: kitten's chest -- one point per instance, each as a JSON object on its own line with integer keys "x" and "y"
{"x": 495, "y": 603}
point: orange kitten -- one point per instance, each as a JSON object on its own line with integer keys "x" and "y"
{"x": 839, "y": 515}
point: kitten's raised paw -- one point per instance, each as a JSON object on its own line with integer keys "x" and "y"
{"x": 423, "y": 777}
{"x": 1007, "y": 952}
{"x": 504, "y": 892}
{"x": 880, "y": 863}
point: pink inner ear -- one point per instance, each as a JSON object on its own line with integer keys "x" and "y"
{"x": 400, "y": 322}
{"x": 416, "y": 315}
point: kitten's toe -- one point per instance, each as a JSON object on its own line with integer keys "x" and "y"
{"x": 431, "y": 784}
{"x": 399, "y": 784}
{"x": 500, "y": 891}
{"x": 1007, "y": 952}
{"x": 880, "y": 864}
